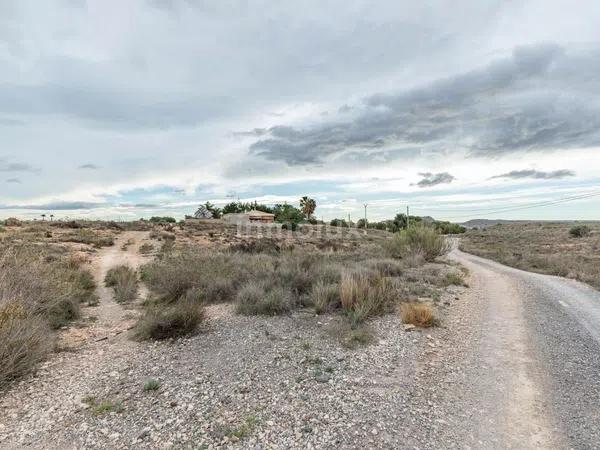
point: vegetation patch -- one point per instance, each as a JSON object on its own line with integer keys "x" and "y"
{"x": 365, "y": 294}
{"x": 102, "y": 407}
{"x": 40, "y": 290}
{"x": 418, "y": 314}
{"x": 176, "y": 320}
{"x": 151, "y": 385}
{"x": 146, "y": 248}
{"x": 418, "y": 241}
{"x": 123, "y": 280}
{"x": 547, "y": 248}
{"x": 579, "y": 231}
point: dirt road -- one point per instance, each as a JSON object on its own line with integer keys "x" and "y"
{"x": 520, "y": 363}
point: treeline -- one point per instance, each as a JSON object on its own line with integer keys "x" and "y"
{"x": 284, "y": 213}
{"x": 402, "y": 222}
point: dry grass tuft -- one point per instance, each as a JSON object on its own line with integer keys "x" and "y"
{"x": 418, "y": 314}
{"x": 123, "y": 280}
{"x": 325, "y": 296}
{"x": 365, "y": 294}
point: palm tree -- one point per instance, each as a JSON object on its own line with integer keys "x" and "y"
{"x": 308, "y": 206}
{"x": 51, "y": 217}
{"x": 43, "y": 216}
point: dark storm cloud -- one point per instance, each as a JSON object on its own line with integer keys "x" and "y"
{"x": 537, "y": 174}
{"x": 433, "y": 179}
{"x": 89, "y": 166}
{"x": 16, "y": 167}
{"x": 542, "y": 97}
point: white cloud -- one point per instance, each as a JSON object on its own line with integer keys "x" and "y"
{"x": 154, "y": 100}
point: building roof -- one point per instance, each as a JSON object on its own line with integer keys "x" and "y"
{"x": 255, "y": 212}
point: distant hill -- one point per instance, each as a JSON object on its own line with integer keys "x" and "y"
{"x": 483, "y": 223}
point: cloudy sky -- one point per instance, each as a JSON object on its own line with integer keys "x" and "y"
{"x": 124, "y": 109}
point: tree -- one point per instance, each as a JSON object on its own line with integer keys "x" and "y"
{"x": 51, "y": 217}
{"x": 339, "y": 223}
{"x": 216, "y": 212}
{"x": 287, "y": 213}
{"x": 308, "y": 206}
{"x": 43, "y": 216}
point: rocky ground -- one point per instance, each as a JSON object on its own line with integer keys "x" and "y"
{"x": 245, "y": 382}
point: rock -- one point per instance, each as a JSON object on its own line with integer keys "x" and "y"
{"x": 323, "y": 377}
{"x": 409, "y": 327}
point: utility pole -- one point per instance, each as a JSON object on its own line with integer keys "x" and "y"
{"x": 365, "y": 205}
{"x": 407, "y": 218}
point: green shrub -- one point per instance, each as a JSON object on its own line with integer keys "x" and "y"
{"x": 165, "y": 219}
{"x": 292, "y": 226}
{"x": 262, "y": 298}
{"x": 160, "y": 321}
{"x": 151, "y": 385}
{"x": 579, "y": 231}
{"x": 123, "y": 280}
{"x": 339, "y": 223}
{"x": 417, "y": 241}
{"x": 453, "y": 278}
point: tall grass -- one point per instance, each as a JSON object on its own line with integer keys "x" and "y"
{"x": 417, "y": 241}
{"x": 40, "y": 290}
{"x": 123, "y": 280}
{"x": 364, "y": 294}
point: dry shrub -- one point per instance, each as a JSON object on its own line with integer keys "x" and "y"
{"x": 387, "y": 267}
{"x": 365, "y": 294}
{"x": 123, "y": 280}
{"x": 454, "y": 279}
{"x": 89, "y": 237}
{"x": 216, "y": 274}
{"x": 418, "y": 314}
{"x": 350, "y": 336}
{"x": 25, "y": 340}
{"x": 263, "y": 298}
{"x": 12, "y": 222}
{"x": 146, "y": 248}
{"x": 325, "y": 297}
{"x": 38, "y": 291}
{"x": 417, "y": 242}
{"x": 169, "y": 321}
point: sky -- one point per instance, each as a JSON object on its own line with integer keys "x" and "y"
{"x": 459, "y": 110}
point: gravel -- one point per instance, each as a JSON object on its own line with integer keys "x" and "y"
{"x": 244, "y": 382}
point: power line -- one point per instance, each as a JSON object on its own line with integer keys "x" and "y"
{"x": 532, "y": 205}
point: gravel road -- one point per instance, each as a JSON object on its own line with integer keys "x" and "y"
{"x": 520, "y": 363}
